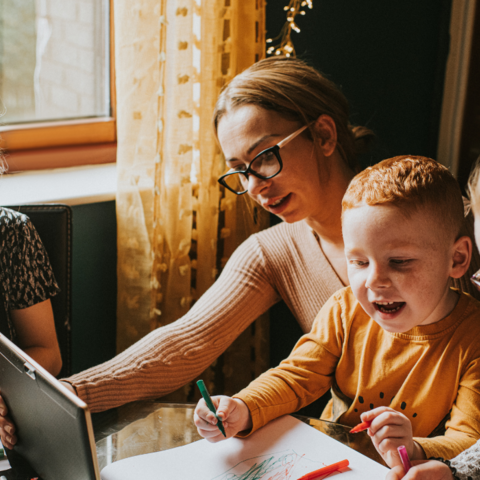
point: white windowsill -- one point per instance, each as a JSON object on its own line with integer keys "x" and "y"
{"x": 73, "y": 186}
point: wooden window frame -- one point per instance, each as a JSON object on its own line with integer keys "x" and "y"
{"x": 56, "y": 144}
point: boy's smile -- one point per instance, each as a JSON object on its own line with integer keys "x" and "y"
{"x": 399, "y": 266}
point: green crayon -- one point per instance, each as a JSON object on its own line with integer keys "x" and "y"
{"x": 208, "y": 401}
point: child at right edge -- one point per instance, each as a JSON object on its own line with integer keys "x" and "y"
{"x": 398, "y": 345}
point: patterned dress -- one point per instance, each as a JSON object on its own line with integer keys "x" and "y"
{"x": 26, "y": 276}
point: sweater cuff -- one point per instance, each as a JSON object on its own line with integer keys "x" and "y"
{"x": 443, "y": 446}
{"x": 254, "y": 415}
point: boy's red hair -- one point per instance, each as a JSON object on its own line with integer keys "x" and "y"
{"x": 409, "y": 182}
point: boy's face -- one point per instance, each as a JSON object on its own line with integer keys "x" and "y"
{"x": 399, "y": 267}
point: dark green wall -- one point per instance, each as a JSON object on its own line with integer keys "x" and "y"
{"x": 388, "y": 57}
{"x": 94, "y": 295}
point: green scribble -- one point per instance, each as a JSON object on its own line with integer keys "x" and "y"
{"x": 273, "y": 467}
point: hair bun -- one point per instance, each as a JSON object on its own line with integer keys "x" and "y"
{"x": 364, "y": 139}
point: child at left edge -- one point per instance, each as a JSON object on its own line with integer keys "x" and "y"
{"x": 398, "y": 341}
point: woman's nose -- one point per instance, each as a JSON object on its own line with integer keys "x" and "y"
{"x": 257, "y": 186}
{"x": 377, "y": 278}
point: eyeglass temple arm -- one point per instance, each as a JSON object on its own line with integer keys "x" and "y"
{"x": 291, "y": 137}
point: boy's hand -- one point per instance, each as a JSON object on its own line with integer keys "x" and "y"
{"x": 421, "y": 470}
{"x": 389, "y": 430}
{"x": 233, "y": 412}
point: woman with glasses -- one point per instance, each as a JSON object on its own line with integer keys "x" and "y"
{"x": 285, "y": 133}
{"x": 467, "y": 465}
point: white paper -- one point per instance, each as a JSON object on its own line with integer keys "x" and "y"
{"x": 285, "y": 449}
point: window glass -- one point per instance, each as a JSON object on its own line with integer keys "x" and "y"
{"x": 54, "y": 62}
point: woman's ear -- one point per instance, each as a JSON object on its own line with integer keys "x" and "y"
{"x": 326, "y": 134}
{"x": 462, "y": 254}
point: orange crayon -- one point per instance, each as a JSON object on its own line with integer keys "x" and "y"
{"x": 325, "y": 470}
{"x": 361, "y": 427}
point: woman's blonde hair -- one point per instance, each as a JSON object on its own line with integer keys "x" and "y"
{"x": 298, "y": 92}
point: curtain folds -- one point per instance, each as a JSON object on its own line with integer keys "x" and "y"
{"x": 176, "y": 227}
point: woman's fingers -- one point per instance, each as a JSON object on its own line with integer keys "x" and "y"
{"x": 7, "y": 428}
{"x": 7, "y": 433}
{"x": 3, "y": 407}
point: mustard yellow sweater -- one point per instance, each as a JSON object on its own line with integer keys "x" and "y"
{"x": 425, "y": 373}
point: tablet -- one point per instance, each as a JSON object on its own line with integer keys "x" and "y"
{"x": 54, "y": 427}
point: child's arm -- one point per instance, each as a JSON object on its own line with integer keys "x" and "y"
{"x": 422, "y": 470}
{"x": 233, "y": 412}
{"x": 389, "y": 430}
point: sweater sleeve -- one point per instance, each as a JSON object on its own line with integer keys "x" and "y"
{"x": 304, "y": 376}
{"x": 468, "y": 463}
{"x": 463, "y": 426}
{"x": 170, "y": 356}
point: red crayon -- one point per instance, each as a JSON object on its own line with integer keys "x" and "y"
{"x": 325, "y": 470}
{"x": 361, "y": 427}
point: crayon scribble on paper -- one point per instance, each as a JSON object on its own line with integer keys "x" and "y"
{"x": 272, "y": 466}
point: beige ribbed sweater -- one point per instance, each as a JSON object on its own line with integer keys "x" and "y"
{"x": 282, "y": 262}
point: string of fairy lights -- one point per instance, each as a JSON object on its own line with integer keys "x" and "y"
{"x": 282, "y": 43}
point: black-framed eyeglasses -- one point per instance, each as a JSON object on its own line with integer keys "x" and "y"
{"x": 267, "y": 164}
{"x": 475, "y": 279}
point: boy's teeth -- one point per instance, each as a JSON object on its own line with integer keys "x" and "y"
{"x": 276, "y": 203}
{"x": 382, "y": 306}
{"x": 384, "y": 310}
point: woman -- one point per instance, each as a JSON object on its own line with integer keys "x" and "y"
{"x": 26, "y": 285}
{"x": 299, "y": 119}
{"x": 467, "y": 465}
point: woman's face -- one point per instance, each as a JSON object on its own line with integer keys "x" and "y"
{"x": 295, "y": 193}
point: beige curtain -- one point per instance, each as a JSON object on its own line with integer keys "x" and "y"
{"x": 176, "y": 228}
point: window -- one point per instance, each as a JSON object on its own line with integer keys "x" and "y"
{"x": 56, "y": 82}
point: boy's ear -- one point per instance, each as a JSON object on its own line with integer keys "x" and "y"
{"x": 462, "y": 254}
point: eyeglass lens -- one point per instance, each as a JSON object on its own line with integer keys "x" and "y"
{"x": 264, "y": 165}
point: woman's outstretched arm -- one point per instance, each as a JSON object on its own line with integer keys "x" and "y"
{"x": 170, "y": 356}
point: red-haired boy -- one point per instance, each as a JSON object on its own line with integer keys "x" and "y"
{"x": 398, "y": 343}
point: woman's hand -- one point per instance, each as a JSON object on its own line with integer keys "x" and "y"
{"x": 421, "y": 470}
{"x": 233, "y": 412}
{"x": 389, "y": 430}
{"x": 69, "y": 387}
{"x": 7, "y": 428}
